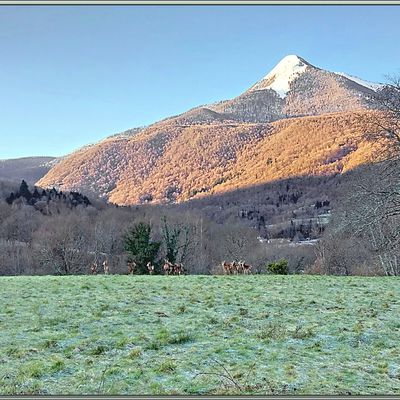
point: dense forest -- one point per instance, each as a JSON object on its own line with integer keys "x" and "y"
{"x": 45, "y": 231}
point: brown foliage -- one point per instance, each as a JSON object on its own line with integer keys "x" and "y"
{"x": 176, "y": 162}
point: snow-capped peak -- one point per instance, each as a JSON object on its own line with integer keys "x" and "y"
{"x": 279, "y": 79}
{"x": 369, "y": 85}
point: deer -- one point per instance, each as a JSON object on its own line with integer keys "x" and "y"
{"x": 93, "y": 268}
{"x": 246, "y": 268}
{"x": 239, "y": 267}
{"x": 236, "y": 267}
{"x": 131, "y": 267}
{"x": 106, "y": 267}
{"x": 150, "y": 268}
{"x": 178, "y": 269}
{"x": 227, "y": 268}
{"x": 168, "y": 267}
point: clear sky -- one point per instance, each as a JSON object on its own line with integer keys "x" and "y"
{"x": 72, "y": 75}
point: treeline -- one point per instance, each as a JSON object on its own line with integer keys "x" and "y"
{"x": 42, "y": 198}
{"x": 72, "y": 233}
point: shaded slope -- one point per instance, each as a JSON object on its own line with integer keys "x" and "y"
{"x": 29, "y": 168}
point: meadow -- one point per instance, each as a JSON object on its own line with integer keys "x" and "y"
{"x": 256, "y": 334}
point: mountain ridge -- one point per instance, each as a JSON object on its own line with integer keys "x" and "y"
{"x": 199, "y": 152}
{"x": 29, "y": 168}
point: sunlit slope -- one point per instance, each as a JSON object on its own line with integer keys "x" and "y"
{"x": 172, "y": 161}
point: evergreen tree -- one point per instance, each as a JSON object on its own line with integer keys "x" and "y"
{"x": 24, "y": 190}
{"x": 10, "y": 199}
{"x": 35, "y": 194}
{"x": 141, "y": 248}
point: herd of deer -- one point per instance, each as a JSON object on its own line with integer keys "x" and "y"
{"x": 132, "y": 268}
{"x": 236, "y": 268}
{"x": 176, "y": 269}
{"x": 94, "y": 267}
{"x": 168, "y": 268}
{"x": 173, "y": 269}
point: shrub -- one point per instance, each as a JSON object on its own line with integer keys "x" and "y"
{"x": 278, "y": 268}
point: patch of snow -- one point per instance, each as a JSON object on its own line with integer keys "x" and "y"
{"x": 288, "y": 69}
{"x": 124, "y": 135}
{"x": 51, "y": 163}
{"x": 370, "y": 85}
{"x": 308, "y": 242}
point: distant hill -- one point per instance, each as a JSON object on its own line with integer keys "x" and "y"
{"x": 29, "y": 168}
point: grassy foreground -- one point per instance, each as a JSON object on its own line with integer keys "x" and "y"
{"x": 199, "y": 335}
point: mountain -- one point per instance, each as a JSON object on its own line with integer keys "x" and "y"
{"x": 296, "y": 88}
{"x": 29, "y": 168}
{"x": 298, "y": 120}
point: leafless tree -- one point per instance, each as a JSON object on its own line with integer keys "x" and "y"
{"x": 372, "y": 209}
{"x": 386, "y": 123}
{"x": 239, "y": 242}
{"x": 63, "y": 244}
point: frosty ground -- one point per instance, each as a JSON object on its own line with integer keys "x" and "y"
{"x": 255, "y": 334}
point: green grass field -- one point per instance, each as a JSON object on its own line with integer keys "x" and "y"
{"x": 199, "y": 335}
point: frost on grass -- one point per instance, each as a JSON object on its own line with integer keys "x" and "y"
{"x": 199, "y": 335}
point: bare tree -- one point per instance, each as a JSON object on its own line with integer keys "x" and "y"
{"x": 371, "y": 214}
{"x": 386, "y": 123}
{"x": 176, "y": 241}
{"x": 63, "y": 244}
{"x": 372, "y": 208}
{"x": 16, "y": 258}
{"x": 240, "y": 243}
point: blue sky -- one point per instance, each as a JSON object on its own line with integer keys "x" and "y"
{"x": 73, "y": 75}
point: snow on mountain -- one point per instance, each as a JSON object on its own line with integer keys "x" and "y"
{"x": 52, "y": 162}
{"x": 279, "y": 79}
{"x": 369, "y": 85}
